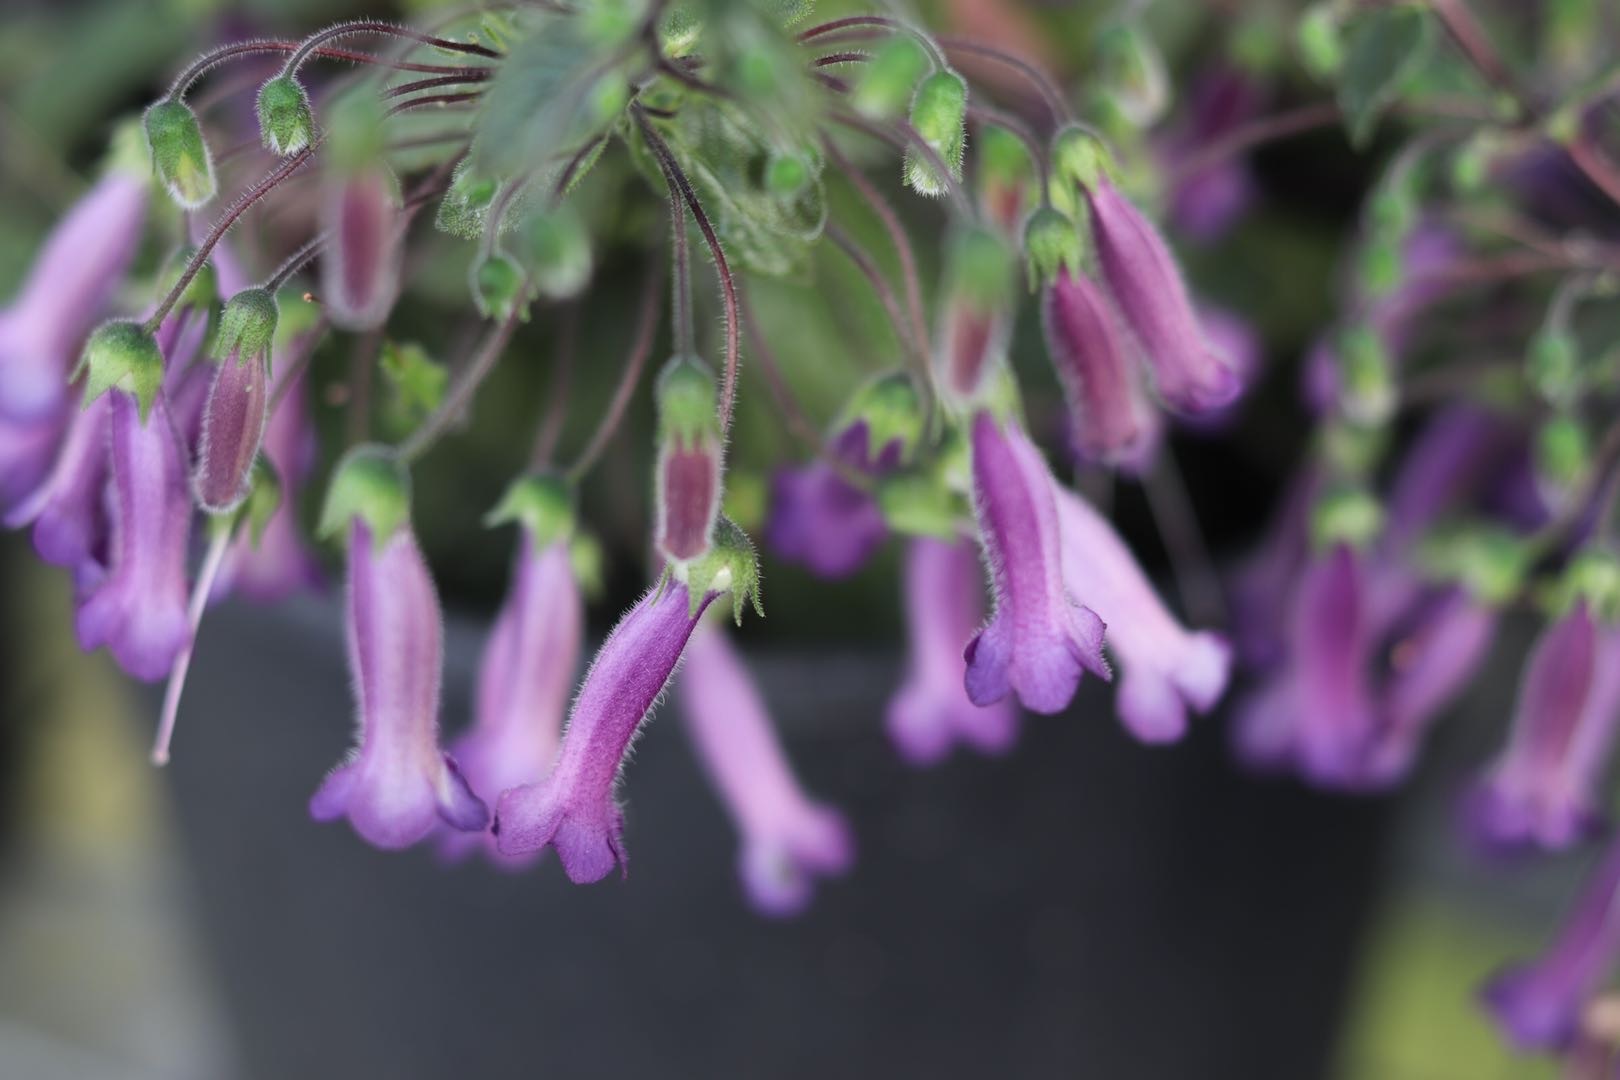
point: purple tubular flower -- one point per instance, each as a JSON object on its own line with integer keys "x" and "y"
{"x": 1146, "y": 283}
{"x": 139, "y": 609}
{"x": 688, "y": 497}
{"x": 74, "y": 275}
{"x": 1435, "y": 656}
{"x": 1538, "y": 1004}
{"x": 973, "y": 338}
{"x": 1543, "y": 788}
{"x": 361, "y": 277}
{"x": 1166, "y": 667}
{"x": 1206, "y": 203}
{"x": 574, "y": 809}
{"x": 524, "y": 679}
{"x": 69, "y": 510}
{"x": 788, "y": 840}
{"x": 27, "y": 450}
{"x": 233, "y": 423}
{"x": 819, "y": 519}
{"x": 397, "y": 785}
{"x": 1110, "y": 419}
{"x": 1039, "y": 639}
{"x": 944, "y": 600}
{"x": 280, "y": 563}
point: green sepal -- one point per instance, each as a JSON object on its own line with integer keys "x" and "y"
{"x": 180, "y": 153}
{"x": 1593, "y": 575}
{"x": 687, "y": 402}
{"x": 1367, "y": 376}
{"x": 247, "y": 326}
{"x": 679, "y": 30}
{"x": 891, "y": 408}
{"x": 1490, "y": 562}
{"x": 1346, "y": 516}
{"x": 122, "y": 355}
{"x": 982, "y": 269}
{"x": 1079, "y": 160}
{"x": 890, "y": 79}
{"x": 1051, "y": 245}
{"x": 560, "y": 252}
{"x": 1002, "y": 158}
{"x": 372, "y": 484}
{"x": 1133, "y": 71}
{"x": 1352, "y": 449}
{"x": 1562, "y": 452}
{"x": 729, "y": 566}
{"x": 920, "y": 503}
{"x": 418, "y": 382}
{"x": 286, "y": 123}
{"x": 464, "y": 210}
{"x": 1553, "y": 365}
{"x": 498, "y": 286}
{"x": 588, "y": 561}
{"x": 939, "y": 115}
{"x": 541, "y": 503}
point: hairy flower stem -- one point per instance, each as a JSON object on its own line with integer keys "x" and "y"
{"x": 367, "y": 26}
{"x": 1196, "y": 579}
{"x": 879, "y": 22}
{"x": 681, "y": 269}
{"x": 295, "y": 262}
{"x": 432, "y": 99}
{"x": 210, "y": 60}
{"x": 1042, "y": 82}
{"x": 456, "y": 400}
{"x": 558, "y": 386}
{"x": 916, "y": 350}
{"x": 226, "y": 220}
{"x": 898, "y": 237}
{"x": 640, "y": 350}
{"x": 473, "y": 76}
{"x": 903, "y": 136}
{"x": 728, "y": 285}
{"x": 182, "y": 663}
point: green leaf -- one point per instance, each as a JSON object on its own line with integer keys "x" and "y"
{"x": 1384, "y": 49}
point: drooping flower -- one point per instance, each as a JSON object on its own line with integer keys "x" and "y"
{"x": 574, "y": 808}
{"x": 1166, "y": 667}
{"x": 27, "y": 450}
{"x": 238, "y": 405}
{"x": 688, "y": 479}
{"x": 138, "y": 610}
{"x": 524, "y": 679}
{"x": 71, "y": 280}
{"x": 1538, "y": 1004}
{"x": 69, "y": 509}
{"x": 1543, "y": 788}
{"x": 976, "y": 313}
{"x": 1110, "y": 418}
{"x": 788, "y": 840}
{"x": 397, "y": 785}
{"x": 1039, "y": 638}
{"x": 1142, "y": 274}
{"x": 944, "y": 607}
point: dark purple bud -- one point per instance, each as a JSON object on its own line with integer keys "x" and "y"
{"x": 1146, "y": 283}
{"x": 238, "y": 401}
{"x": 944, "y": 608}
{"x": 1110, "y": 418}
{"x": 688, "y": 484}
{"x": 361, "y": 212}
{"x": 1039, "y": 638}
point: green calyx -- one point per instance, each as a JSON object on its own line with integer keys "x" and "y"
{"x": 921, "y": 503}
{"x": 981, "y": 268}
{"x": 1553, "y": 365}
{"x": 542, "y": 504}
{"x": 1367, "y": 376}
{"x": 687, "y": 406}
{"x": 729, "y": 566}
{"x": 498, "y": 286}
{"x": 1348, "y": 516}
{"x": 1051, "y": 245}
{"x": 464, "y": 210}
{"x": 247, "y": 327}
{"x": 1487, "y": 560}
{"x": 560, "y": 248}
{"x": 939, "y": 115}
{"x": 1562, "y": 452}
{"x": 1079, "y": 160}
{"x": 286, "y": 123}
{"x": 1003, "y": 159}
{"x": 122, "y": 355}
{"x": 179, "y": 153}
{"x": 890, "y": 78}
{"x": 891, "y": 409}
{"x": 1592, "y": 576}
{"x": 372, "y": 485}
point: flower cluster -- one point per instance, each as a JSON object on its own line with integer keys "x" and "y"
{"x": 158, "y": 455}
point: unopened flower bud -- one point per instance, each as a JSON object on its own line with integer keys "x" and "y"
{"x": 1079, "y": 160}
{"x": 179, "y": 153}
{"x": 980, "y": 291}
{"x": 369, "y": 485}
{"x": 1133, "y": 71}
{"x": 689, "y": 460}
{"x": 560, "y": 247}
{"x": 497, "y": 286}
{"x": 1051, "y": 246}
{"x": 938, "y": 113}
{"x": 286, "y": 123}
{"x": 890, "y": 78}
{"x": 122, "y": 355}
{"x": 238, "y": 404}
{"x": 1004, "y": 172}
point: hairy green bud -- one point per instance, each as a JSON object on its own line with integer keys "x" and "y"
{"x": 939, "y": 115}
{"x": 286, "y": 123}
{"x": 179, "y": 153}
{"x": 122, "y": 355}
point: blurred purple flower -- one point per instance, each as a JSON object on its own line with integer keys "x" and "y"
{"x": 1206, "y": 202}
{"x": 821, "y": 520}
{"x": 361, "y": 275}
{"x": 1110, "y": 418}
